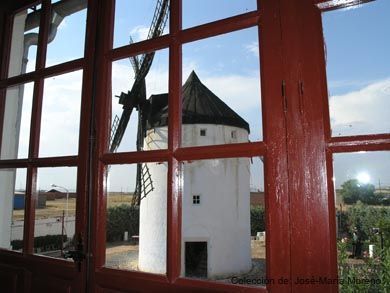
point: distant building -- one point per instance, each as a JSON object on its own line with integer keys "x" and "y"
{"x": 257, "y": 198}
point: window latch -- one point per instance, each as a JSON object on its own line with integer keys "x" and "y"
{"x": 78, "y": 254}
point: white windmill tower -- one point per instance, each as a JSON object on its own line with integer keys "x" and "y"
{"x": 216, "y": 193}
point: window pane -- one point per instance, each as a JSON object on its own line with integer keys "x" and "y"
{"x": 12, "y": 197}
{"x": 358, "y": 68}
{"x": 224, "y": 235}
{"x": 68, "y": 28}
{"x": 362, "y": 185}
{"x": 61, "y": 115}
{"x": 196, "y": 12}
{"x": 55, "y": 212}
{"x": 24, "y": 41}
{"x": 17, "y": 121}
{"x": 221, "y": 91}
{"x": 137, "y": 217}
{"x": 139, "y": 20}
{"x": 132, "y": 94}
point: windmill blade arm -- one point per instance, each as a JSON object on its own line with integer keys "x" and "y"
{"x": 134, "y": 60}
{"x": 120, "y": 131}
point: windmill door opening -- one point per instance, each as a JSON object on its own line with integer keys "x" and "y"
{"x": 196, "y": 259}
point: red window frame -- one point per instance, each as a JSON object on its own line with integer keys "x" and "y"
{"x": 33, "y": 162}
{"x": 286, "y": 65}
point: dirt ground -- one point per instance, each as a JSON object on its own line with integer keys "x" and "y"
{"x": 124, "y": 256}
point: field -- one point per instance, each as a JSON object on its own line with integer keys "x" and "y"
{"x": 55, "y": 208}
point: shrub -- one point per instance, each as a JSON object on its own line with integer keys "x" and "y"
{"x": 365, "y": 218}
{"x": 376, "y": 270}
{"x": 120, "y": 219}
{"x": 257, "y": 219}
{"x": 43, "y": 243}
{"x": 353, "y": 191}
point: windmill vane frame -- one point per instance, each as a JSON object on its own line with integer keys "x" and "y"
{"x": 136, "y": 98}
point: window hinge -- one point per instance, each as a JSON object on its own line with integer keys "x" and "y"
{"x": 284, "y": 96}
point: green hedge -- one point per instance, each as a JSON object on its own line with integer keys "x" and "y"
{"x": 364, "y": 218}
{"x": 257, "y": 219}
{"x": 120, "y": 219}
{"x": 126, "y": 218}
{"x": 44, "y": 243}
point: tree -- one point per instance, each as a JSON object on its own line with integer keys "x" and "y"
{"x": 352, "y": 191}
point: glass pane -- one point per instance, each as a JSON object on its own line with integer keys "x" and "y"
{"x": 358, "y": 68}
{"x": 137, "y": 217}
{"x": 133, "y": 93}
{"x": 223, "y": 225}
{"x": 362, "y": 184}
{"x": 196, "y": 12}
{"x": 17, "y": 121}
{"x": 24, "y": 41}
{"x": 12, "y": 197}
{"x": 221, "y": 91}
{"x": 55, "y": 213}
{"x": 61, "y": 115}
{"x": 139, "y": 20}
{"x": 68, "y": 27}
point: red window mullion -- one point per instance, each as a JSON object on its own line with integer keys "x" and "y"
{"x": 3, "y": 93}
{"x": 31, "y": 188}
{"x": 174, "y": 140}
{"x": 44, "y": 73}
{"x": 253, "y": 149}
{"x": 31, "y": 191}
{"x": 220, "y": 27}
{"x": 44, "y": 27}
{"x": 374, "y": 142}
{"x": 6, "y": 32}
{"x": 140, "y": 48}
{"x": 136, "y": 157}
{"x": 100, "y": 127}
{"x": 29, "y": 218}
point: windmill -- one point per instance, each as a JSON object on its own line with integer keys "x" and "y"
{"x": 136, "y": 98}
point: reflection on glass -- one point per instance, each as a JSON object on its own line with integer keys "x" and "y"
{"x": 24, "y": 41}
{"x": 136, "y": 217}
{"x": 223, "y": 219}
{"x": 136, "y": 89}
{"x": 139, "y": 20}
{"x": 55, "y": 211}
{"x": 12, "y": 197}
{"x": 68, "y": 26}
{"x": 358, "y": 68}
{"x": 17, "y": 120}
{"x": 362, "y": 189}
{"x": 221, "y": 92}
{"x": 61, "y": 115}
{"x": 197, "y": 12}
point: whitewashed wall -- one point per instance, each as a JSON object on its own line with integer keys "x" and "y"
{"x": 222, "y": 218}
{"x": 11, "y": 127}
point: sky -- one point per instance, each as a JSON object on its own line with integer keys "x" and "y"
{"x": 358, "y": 74}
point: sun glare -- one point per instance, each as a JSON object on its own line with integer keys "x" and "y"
{"x": 363, "y": 177}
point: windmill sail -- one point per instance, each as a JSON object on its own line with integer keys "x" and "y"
{"x": 136, "y": 98}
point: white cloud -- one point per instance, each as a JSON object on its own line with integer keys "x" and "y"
{"x": 363, "y": 111}
{"x": 61, "y": 115}
{"x": 253, "y": 48}
{"x": 139, "y": 33}
{"x": 239, "y": 92}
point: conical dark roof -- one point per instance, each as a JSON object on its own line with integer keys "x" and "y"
{"x": 200, "y": 106}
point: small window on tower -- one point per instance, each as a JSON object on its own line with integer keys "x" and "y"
{"x": 196, "y": 199}
{"x": 234, "y": 134}
{"x": 203, "y": 132}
